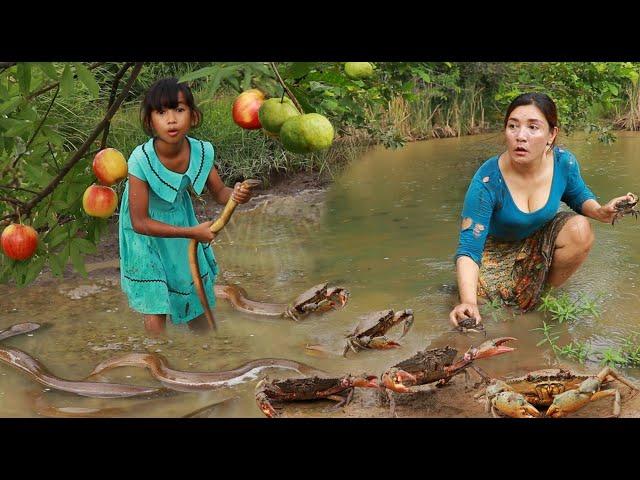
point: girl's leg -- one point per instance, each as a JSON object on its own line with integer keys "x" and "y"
{"x": 155, "y": 323}
{"x": 571, "y": 249}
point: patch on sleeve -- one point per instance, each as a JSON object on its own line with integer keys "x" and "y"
{"x": 477, "y": 230}
{"x": 466, "y": 223}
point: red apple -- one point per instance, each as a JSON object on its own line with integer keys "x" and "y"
{"x": 99, "y": 201}
{"x": 19, "y": 241}
{"x": 109, "y": 166}
{"x": 245, "y": 109}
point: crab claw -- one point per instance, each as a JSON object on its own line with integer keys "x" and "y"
{"x": 489, "y": 348}
{"x": 339, "y": 292}
{"x": 395, "y": 380}
{"x": 383, "y": 343}
{"x": 366, "y": 381}
{"x": 406, "y": 316}
{"x": 265, "y": 405}
{"x": 514, "y": 405}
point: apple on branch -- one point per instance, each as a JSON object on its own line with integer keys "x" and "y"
{"x": 99, "y": 201}
{"x": 19, "y": 242}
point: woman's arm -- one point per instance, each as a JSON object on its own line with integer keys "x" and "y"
{"x": 603, "y": 213}
{"x": 467, "y": 274}
{"x": 143, "y": 224}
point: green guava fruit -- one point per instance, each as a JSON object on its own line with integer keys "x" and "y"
{"x": 274, "y": 113}
{"x": 358, "y": 70}
{"x": 306, "y": 133}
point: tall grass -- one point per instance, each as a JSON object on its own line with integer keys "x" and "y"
{"x": 428, "y": 116}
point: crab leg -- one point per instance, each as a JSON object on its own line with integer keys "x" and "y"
{"x": 265, "y": 405}
{"x": 608, "y": 372}
{"x": 489, "y": 348}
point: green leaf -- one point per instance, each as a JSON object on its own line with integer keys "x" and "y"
{"x": 299, "y": 69}
{"x": 203, "y": 72}
{"x": 86, "y": 77}
{"x": 10, "y": 105}
{"x": 49, "y": 70}
{"x": 33, "y": 269}
{"x": 78, "y": 260}
{"x": 24, "y": 77}
{"x": 66, "y": 83}
{"x": 83, "y": 245}
{"x": 246, "y": 82}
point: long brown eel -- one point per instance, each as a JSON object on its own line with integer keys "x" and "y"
{"x": 237, "y": 297}
{"x": 196, "y": 381}
{"x": 23, "y": 361}
{"x": 216, "y": 226}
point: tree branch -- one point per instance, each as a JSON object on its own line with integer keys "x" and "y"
{"x": 84, "y": 147}
{"x": 112, "y": 97}
{"x": 15, "y": 162}
{"x": 13, "y": 201}
{"x": 291, "y": 95}
{"x": 6, "y": 187}
{"x": 55, "y": 84}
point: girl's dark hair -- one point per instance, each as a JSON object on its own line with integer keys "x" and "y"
{"x": 164, "y": 94}
{"x": 540, "y": 100}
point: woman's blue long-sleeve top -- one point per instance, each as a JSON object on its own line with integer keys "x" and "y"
{"x": 489, "y": 208}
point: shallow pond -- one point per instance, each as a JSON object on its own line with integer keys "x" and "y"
{"x": 386, "y": 230}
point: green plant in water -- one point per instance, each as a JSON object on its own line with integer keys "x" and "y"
{"x": 575, "y": 350}
{"x": 613, "y": 358}
{"x": 563, "y": 309}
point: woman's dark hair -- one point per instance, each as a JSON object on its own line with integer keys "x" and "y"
{"x": 164, "y": 94}
{"x": 540, "y": 100}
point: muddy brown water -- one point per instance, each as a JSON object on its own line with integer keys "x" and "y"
{"x": 387, "y": 230}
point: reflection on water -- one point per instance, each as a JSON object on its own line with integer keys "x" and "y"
{"x": 386, "y": 230}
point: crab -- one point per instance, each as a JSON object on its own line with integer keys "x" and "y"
{"x": 369, "y": 333}
{"x": 319, "y": 297}
{"x": 313, "y": 388}
{"x": 438, "y": 365}
{"x": 559, "y": 390}
{"x": 624, "y": 207}
{"x": 471, "y": 324}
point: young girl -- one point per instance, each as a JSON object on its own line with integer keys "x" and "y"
{"x": 157, "y": 218}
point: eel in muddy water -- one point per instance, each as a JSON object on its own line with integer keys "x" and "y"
{"x": 23, "y": 361}
{"x": 196, "y": 381}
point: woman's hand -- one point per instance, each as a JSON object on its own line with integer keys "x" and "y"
{"x": 241, "y": 193}
{"x": 464, "y": 310}
{"x": 608, "y": 211}
{"x": 202, "y": 233}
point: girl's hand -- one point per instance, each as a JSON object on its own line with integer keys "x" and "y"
{"x": 608, "y": 211}
{"x": 462, "y": 311}
{"x": 241, "y": 193}
{"x": 202, "y": 232}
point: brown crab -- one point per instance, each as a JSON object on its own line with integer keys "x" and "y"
{"x": 369, "y": 333}
{"x": 471, "y": 324}
{"x": 318, "y": 298}
{"x": 438, "y": 365}
{"x": 559, "y": 390}
{"x": 624, "y": 207}
{"x": 313, "y": 388}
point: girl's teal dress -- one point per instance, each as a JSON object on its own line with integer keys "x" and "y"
{"x": 154, "y": 271}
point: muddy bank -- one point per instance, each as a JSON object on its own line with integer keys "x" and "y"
{"x": 452, "y": 401}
